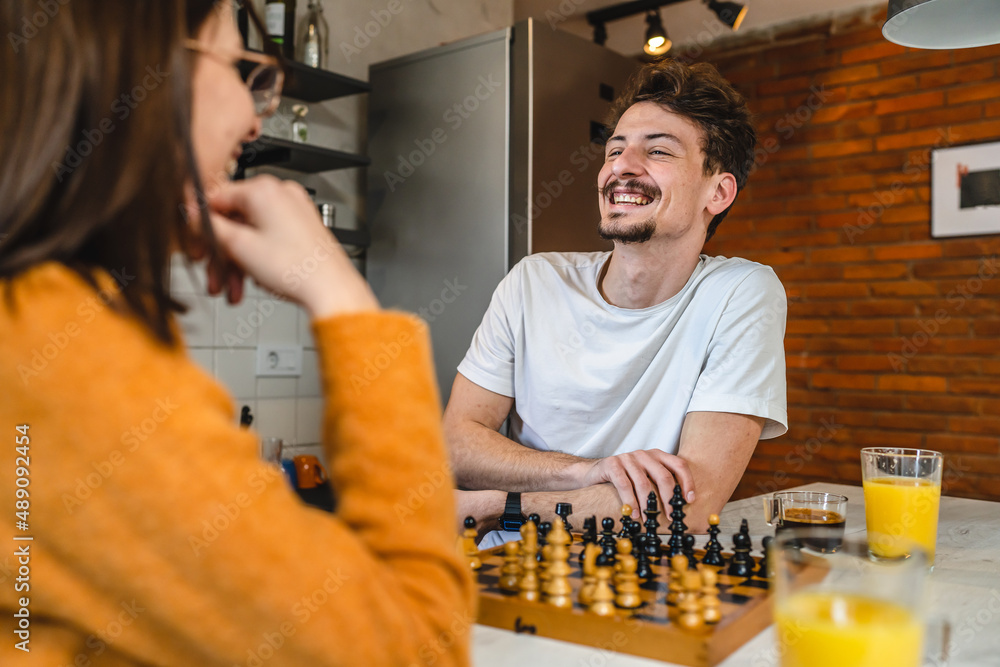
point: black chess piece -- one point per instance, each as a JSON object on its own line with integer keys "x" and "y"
{"x": 689, "y": 552}
{"x": 643, "y": 569}
{"x": 742, "y": 563}
{"x": 763, "y": 567}
{"x": 652, "y": 526}
{"x": 609, "y": 547}
{"x": 678, "y": 529}
{"x": 626, "y": 530}
{"x": 535, "y": 519}
{"x": 713, "y": 550}
{"x": 589, "y": 534}
{"x": 543, "y": 532}
{"x": 563, "y": 510}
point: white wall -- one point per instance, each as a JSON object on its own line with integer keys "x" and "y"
{"x": 223, "y": 338}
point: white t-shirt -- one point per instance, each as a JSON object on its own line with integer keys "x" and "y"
{"x": 595, "y": 380}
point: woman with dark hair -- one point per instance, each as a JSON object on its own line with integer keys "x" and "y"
{"x": 149, "y": 532}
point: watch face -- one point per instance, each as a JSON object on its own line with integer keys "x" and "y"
{"x": 511, "y": 524}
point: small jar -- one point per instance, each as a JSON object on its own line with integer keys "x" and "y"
{"x": 300, "y": 130}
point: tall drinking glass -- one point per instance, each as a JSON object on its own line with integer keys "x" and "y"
{"x": 840, "y": 609}
{"x": 902, "y": 497}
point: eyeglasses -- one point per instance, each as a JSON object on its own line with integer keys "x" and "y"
{"x": 264, "y": 81}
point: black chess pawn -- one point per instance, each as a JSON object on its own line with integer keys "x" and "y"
{"x": 609, "y": 546}
{"x": 678, "y": 529}
{"x": 543, "y": 531}
{"x": 689, "y": 552}
{"x": 713, "y": 550}
{"x": 535, "y": 519}
{"x": 563, "y": 510}
{"x": 742, "y": 563}
{"x": 643, "y": 569}
{"x": 589, "y": 534}
{"x": 762, "y": 567}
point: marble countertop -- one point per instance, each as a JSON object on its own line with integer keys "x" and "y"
{"x": 964, "y": 590}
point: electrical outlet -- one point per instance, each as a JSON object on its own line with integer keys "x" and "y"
{"x": 279, "y": 360}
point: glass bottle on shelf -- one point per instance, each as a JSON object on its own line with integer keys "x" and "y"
{"x": 300, "y": 130}
{"x": 279, "y": 19}
{"x": 315, "y": 39}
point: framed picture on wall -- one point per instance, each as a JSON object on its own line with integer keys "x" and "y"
{"x": 965, "y": 190}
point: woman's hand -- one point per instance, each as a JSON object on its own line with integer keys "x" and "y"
{"x": 272, "y": 231}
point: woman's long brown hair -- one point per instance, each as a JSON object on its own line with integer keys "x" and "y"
{"x": 95, "y": 138}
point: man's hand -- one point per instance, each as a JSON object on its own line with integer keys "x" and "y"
{"x": 635, "y": 474}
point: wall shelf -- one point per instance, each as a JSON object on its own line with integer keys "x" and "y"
{"x": 310, "y": 84}
{"x": 292, "y": 155}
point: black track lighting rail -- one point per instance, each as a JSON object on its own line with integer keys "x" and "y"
{"x": 600, "y": 16}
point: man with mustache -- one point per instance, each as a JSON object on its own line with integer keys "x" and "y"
{"x": 632, "y": 370}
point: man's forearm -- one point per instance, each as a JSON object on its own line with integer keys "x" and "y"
{"x": 484, "y": 459}
{"x": 601, "y": 500}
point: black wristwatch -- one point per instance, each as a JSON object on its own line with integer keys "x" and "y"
{"x": 512, "y": 518}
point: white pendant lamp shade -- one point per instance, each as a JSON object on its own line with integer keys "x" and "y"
{"x": 943, "y": 24}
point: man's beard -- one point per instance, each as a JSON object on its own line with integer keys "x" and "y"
{"x": 635, "y": 233}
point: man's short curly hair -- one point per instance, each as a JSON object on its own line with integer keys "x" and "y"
{"x": 699, "y": 93}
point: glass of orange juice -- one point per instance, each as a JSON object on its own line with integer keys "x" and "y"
{"x": 840, "y": 609}
{"x": 902, "y": 496}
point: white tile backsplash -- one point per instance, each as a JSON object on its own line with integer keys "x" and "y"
{"x": 204, "y": 357}
{"x": 237, "y": 369}
{"x": 281, "y": 325}
{"x": 183, "y": 281}
{"x": 309, "y": 419}
{"x": 276, "y": 417}
{"x": 305, "y": 331}
{"x": 277, "y": 387}
{"x": 237, "y": 326}
{"x": 308, "y": 382}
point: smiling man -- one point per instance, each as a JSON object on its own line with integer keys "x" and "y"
{"x": 628, "y": 371}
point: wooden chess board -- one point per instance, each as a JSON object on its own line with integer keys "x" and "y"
{"x": 649, "y": 631}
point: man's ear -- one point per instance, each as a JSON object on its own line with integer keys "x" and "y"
{"x": 723, "y": 193}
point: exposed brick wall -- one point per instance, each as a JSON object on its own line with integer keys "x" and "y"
{"x": 893, "y": 338}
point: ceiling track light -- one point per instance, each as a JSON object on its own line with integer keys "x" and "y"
{"x": 657, "y": 42}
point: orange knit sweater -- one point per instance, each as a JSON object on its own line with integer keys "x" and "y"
{"x": 161, "y": 539}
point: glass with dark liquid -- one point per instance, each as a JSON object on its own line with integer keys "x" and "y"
{"x": 824, "y": 512}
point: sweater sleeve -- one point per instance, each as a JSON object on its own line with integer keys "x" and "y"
{"x": 148, "y": 499}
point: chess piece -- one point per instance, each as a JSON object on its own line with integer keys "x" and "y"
{"x": 535, "y": 519}
{"x": 653, "y": 542}
{"x": 626, "y": 579}
{"x": 589, "y": 535}
{"x": 710, "y": 606}
{"x": 510, "y": 573}
{"x": 529, "y": 563}
{"x": 608, "y": 545}
{"x": 590, "y": 553}
{"x": 690, "y": 607}
{"x": 602, "y": 598}
{"x": 467, "y": 544}
{"x": 675, "y": 588}
{"x": 763, "y": 568}
{"x": 643, "y": 569}
{"x": 742, "y": 563}
{"x": 689, "y": 551}
{"x": 557, "y": 588}
{"x": 713, "y": 550}
{"x": 677, "y": 526}
{"x": 626, "y": 522}
{"x": 563, "y": 510}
